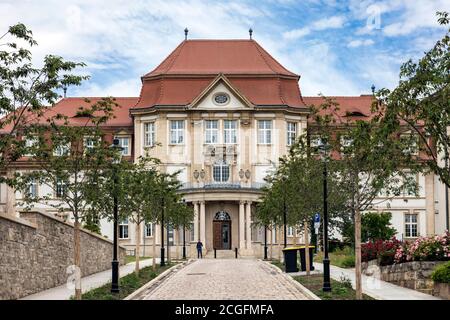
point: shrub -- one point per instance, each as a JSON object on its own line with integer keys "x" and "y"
{"x": 376, "y": 226}
{"x": 348, "y": 262}
{"x": 442, "y": 273}
{"x": 431, "y": 248}
{"x": 383, "y": 251}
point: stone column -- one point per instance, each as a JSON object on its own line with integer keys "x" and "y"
{"x": 195, "y": 221}
{"x": 248, "y": 224}
{"x": 429, "y": 204}
{"x": 241, "y": 225}
{"x": 202, "y": 224}
{"x": 10, "y": 208}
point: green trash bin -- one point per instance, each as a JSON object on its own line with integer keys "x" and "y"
{"x": 303, "y": 258}
{"x": 290, "y": 259}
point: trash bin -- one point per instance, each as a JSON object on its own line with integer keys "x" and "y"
{"x": 290, "y": 259}
{"x": 303, "y": 258}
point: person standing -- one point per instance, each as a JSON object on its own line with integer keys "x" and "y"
{"x": 199, "y": 249}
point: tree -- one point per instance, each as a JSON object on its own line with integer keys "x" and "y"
{"x": 374, "y": 226}
{"x": 26, "y": 92}
{"x": 68, "y": 159}
{"x": 421, "y": 101}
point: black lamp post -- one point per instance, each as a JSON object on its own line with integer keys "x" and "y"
{"x": 115, "y": 262}
{"x": 326, "y": 260}
{"x": 265, "y": 242}
{"x": 184, "y": 236}
{"x": 284, "y": 216}
{"x": 162, "y": 233}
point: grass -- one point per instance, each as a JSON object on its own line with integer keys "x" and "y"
{"x": 129, "y": 259}
{"x": 340, "y": 290}
{"x": 340, "y": 258}
{"x": 128, "y": 284}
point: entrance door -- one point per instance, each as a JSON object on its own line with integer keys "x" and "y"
{"x": 226, "y": 235}
{"x": 222, "y": 231}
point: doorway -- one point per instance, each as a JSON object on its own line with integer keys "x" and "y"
{"x": 222, "y": 231}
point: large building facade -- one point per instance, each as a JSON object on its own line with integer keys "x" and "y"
{"x": 221, "y": 113}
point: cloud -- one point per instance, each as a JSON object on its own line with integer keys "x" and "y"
{"x": 359, "y": 43}
{"x": 334, "y": 22}
{"x": 296, "y": 33}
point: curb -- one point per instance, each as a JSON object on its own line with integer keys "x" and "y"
{"x": 157, "y": 279}
{"x": 308, "y": 293}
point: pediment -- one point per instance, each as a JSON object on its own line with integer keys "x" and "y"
{"x": 220, "y": 94}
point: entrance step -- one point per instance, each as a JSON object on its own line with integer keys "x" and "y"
{"x": 221, "y": 254}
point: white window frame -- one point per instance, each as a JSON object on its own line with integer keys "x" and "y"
{"x": 149, "y": 227}
{"x": 291, "y": 132}
{"x": 62, "y": 150}
{"x": 221, "y": 165}
{"x": 230, "y": 129}
{"x": 126, "y": 151}
{"x": 31, "y": 141}
{"x": 60, "y": 184}
{"x": 290, "y": 231}
{"x": 265, "y": 132}
{"x": 124, "y": 229}
{"x": 409, "y": 225}
{"x": 32, "y": 188}
{"x": 176, "y": 134}
{"x": 88, "y": 146}
{"x": 149, "y": 134}
{"x": 211, "y": 132}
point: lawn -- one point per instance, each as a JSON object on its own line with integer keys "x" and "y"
{"x": 340, "y": 290}
{"x": 129, "y": 259}
{"x": 128, "y": 284}
{"x": 340, "y": 258}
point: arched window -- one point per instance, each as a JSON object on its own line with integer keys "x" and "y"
{"x": 221, "y": 172}
{"x": 222, "y": 215}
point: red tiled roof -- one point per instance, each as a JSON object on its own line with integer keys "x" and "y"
{"x": 220, "y": 56}
{"x": 347, "y": 105}
{"x": 70, "y": 106}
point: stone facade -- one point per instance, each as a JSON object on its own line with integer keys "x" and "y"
{"x": 414, "y": 275}
{"x": 37, "y": 248}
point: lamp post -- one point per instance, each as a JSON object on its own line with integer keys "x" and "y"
{"x": 162, "y": 233}
{"x": 284, "y": 216}
{"x": 184, "y": 236}
{"x": 265, "y": 242}
{"x": 326, "y": 261}
{"x": 115, "y": 263}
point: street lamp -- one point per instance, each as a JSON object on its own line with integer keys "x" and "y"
{"x": 162, "y": 232}
{"x": 284, "y": 214}
{"x": 115, "y": 263}
{"x": 323, "y": 147}
{"x": 265, "y": 242}
{"x": 184, "y": 236}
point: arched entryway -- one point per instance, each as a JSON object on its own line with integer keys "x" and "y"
{"x": 222, "y": 231}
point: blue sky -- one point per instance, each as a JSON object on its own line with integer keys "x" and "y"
{"x": 338, "y": 47}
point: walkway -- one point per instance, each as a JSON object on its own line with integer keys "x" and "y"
{"x": 87, "y": 283}
{"x": 226, "y": 279}
{"x": 376, "y": 288}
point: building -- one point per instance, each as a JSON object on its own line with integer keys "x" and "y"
{"x": 222, "y": 112}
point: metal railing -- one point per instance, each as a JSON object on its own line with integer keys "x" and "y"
{"x": 221, "y": 185}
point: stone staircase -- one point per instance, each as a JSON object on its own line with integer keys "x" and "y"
{"x": 221, "y": 254}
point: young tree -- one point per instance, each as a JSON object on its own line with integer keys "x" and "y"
{"x": 68, "y": 159}
{"x": 26, "y": 91}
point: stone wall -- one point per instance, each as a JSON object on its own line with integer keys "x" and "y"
{"x": 37, "y": 248}
{"x": 414, "y": 275}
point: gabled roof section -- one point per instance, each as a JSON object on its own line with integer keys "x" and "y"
{"x": 230, "y": 57}
{"x": 220, "y": 79}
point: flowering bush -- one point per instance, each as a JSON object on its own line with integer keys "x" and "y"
{"x": 383, "y": 251}
{"x": 431, "y": 248}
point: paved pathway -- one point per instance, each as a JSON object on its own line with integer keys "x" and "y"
{"x": 226, "y": 279}
{"x": 87, "y": 283}
{"x": 376, "y": 288}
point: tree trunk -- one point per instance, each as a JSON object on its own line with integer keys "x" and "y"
{"x": 307, "y": 257}
{"x": 279, "y": 244}
{"x": 271, "y": 243}
{"x": 154, "y": 250}
{"x": 358, "y": 253}
{"x": 137, "y": 237}
{"x": 77, "y": 258}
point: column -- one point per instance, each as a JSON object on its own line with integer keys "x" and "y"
{"x": 10, "y": 197}
{"x": 248, "y": 224}
{"x": 241, "y": 225}
{"x": 202, "y": 224}
{"x": 195, "y": 221}
{"x": 429, "y": 204}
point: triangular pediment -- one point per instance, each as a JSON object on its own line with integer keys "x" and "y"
{"x": 218, "y": 91}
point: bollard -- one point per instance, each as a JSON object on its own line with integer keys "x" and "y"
{"x": 215, "y": 253}
{"x": 235, "y": 252}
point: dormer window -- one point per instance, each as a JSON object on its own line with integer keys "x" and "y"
{"x": 221, "y": 98}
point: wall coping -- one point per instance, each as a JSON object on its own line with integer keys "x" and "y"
{"x": 70, "y": 224}
{"x": 18, "y": 220}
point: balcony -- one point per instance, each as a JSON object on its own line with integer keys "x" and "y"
{"x": 189, "y": 186}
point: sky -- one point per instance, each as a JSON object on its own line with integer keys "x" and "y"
{"x": 337, "y": 47}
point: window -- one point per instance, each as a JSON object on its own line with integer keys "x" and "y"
{"x": 316, "y": 141}
{"x": 411, "y": 225}
{"x": 407, "y": 180}
{"x": 149, "y": 134}
{"x": 124, "y": 143}
{"x": 170, "y": 235}
{"x": 149, "y": 229}
{"x": 229, "y": 133}
{"x": 291, "y": 133}
{"x": 177, "y": 131}
{"x": 60, "y": 188}
{"x": 31, "y": 191}
{"x": 290, "y": 231}
{"x": 89, "y": 144}
{"x": 264, "y": 131}
{"x": 123, "y": 229}
{"x": 411, "y": 142}
{"x": 212, "y": 131}
{"x": 30, "y": 142}
{"x": 62, "y": 150}
{"x": 221, "y": 98}
{"x": 192, "y": 233}
{"x": 221, "y": 172}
